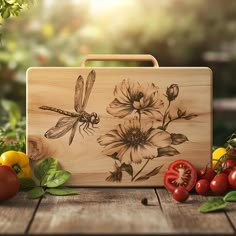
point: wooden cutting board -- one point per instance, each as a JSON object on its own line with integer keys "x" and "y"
{"x": 119, "y": 126}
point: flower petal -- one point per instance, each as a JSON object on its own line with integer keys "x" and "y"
{"x": 122, "y": 151}
{"x": 109, "y": 138}
{"x": 122, "y": 93}
{"x": 136, "y": 155}
{"x": 159, "y": 138}
{"x": 157, "y": 104}
{"x": 113, "y": 148}
{"x": 126, "y": 158}
{"x": 118, "y": 109}
{"x": 148, "y": 151}
{"x": 152, "y": 113}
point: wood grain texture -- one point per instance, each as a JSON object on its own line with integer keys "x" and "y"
{"x": 231, "y": 214}
{"x": 15, "y": 214}
{"x": 86, "y": 158}
{"x": 100, "y": 211}
{"x": 185, "y": 217}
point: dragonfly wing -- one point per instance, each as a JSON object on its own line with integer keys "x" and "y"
{"x": 88, "y": 88}
{"x": 61, "y": 128}
{"x": 73, "y": 132}
{"x": 79, "y": 90}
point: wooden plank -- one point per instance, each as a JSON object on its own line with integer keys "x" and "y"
{"x": 100, "y": 211}
{"x": 133, "y": 115}
{"x": 185, "y": 217}
{"x": 231, "y": 213}
{"x": 15, "y": 214}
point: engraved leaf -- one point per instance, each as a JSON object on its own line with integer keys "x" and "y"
{"x": 154, "y": 172}
{"x": 190, "y": 116}
{"x": 178, "y": 139}
{"x": 167, "y": 151}
{"x": 115, "y": 176}
{"x": 181, "y": 113}
{"x": 127, "y": 168}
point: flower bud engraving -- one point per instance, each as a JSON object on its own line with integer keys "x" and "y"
{"x": 172, "y": 92}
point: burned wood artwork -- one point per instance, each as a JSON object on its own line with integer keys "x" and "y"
{"x": 70, "y": 120}
{"x": 143, "y": 135}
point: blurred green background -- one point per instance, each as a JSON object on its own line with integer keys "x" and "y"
{"x": 176, "y": 32}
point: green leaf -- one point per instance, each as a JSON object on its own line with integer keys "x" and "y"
{"x": 35, "y": 193}
{"x": 213, "y": 204}
{"x": 230, "y": 196}
{"x": 13, "y": 111}
{"x": 10, "y": 1}
{"x": 45, "y": 167}
{"x": 5, "y": 13}
{"x": 57, "y": 178}
{"x": 62, "y": 191}
{"x": 26, "y": 184}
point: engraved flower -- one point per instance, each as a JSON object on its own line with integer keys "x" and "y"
{"x": 132, "y": 97}
{"x": 134, "y": 141}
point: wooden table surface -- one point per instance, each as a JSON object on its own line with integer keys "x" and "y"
{"x": 113, "y": 211}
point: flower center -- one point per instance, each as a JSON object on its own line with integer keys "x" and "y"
{"x": 135, "y": 137}
{"x": 138, "y": 96}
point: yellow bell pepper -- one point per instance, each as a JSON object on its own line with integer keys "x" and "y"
{"x": 19, "y": 161}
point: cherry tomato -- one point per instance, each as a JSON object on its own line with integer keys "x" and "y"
{"x": 232, "y": 179}
{"x": 180, "y": 194}
{"x": 9, "y": 183}
{"x": 219, "y": 185}
{"x": 230, "y": 164}
{"x": 202, "y": 187}
{"x": 206, "y": 173}
{"x": 180, "y": 173}
{"x": 232, "y": 152}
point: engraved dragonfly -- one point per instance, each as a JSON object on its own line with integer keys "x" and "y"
{"x": 71, "y": 119}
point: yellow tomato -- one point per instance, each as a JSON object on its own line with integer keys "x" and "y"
{"x": 217, "y": 157}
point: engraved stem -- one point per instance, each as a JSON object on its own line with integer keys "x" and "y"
{"x": 133, "y": 178}
{"x": 164, "y": 117}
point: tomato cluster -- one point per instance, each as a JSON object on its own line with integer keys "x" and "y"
{"x": 181, "y": 177}
{"x": 219, "y": 184}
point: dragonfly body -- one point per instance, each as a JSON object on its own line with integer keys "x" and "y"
{"x": 70, "y": 120}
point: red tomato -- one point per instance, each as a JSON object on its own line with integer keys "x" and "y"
{"x": 232, "y": 152}
{"x": 180, "y": 173}
{"x": 206, "y": 173}
{"x": 230, "y": 164}
{"x": 202, "y": 187}
{"x": 219, "y": 185}
{"x": 9, "y": 183}
{"x": 232, "y": 179}
{"x": 180, "y": 194}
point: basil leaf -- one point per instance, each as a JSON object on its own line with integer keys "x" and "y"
{"x": 26, "y": 184}
{"x": 45, "y": 167}
{"x": 35, "y": 193}
{"x": 230, "y": 197}
{"x": 57, "y": 178}
{"x": 213, "y": 204}
{"x": 62, "y": 191}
